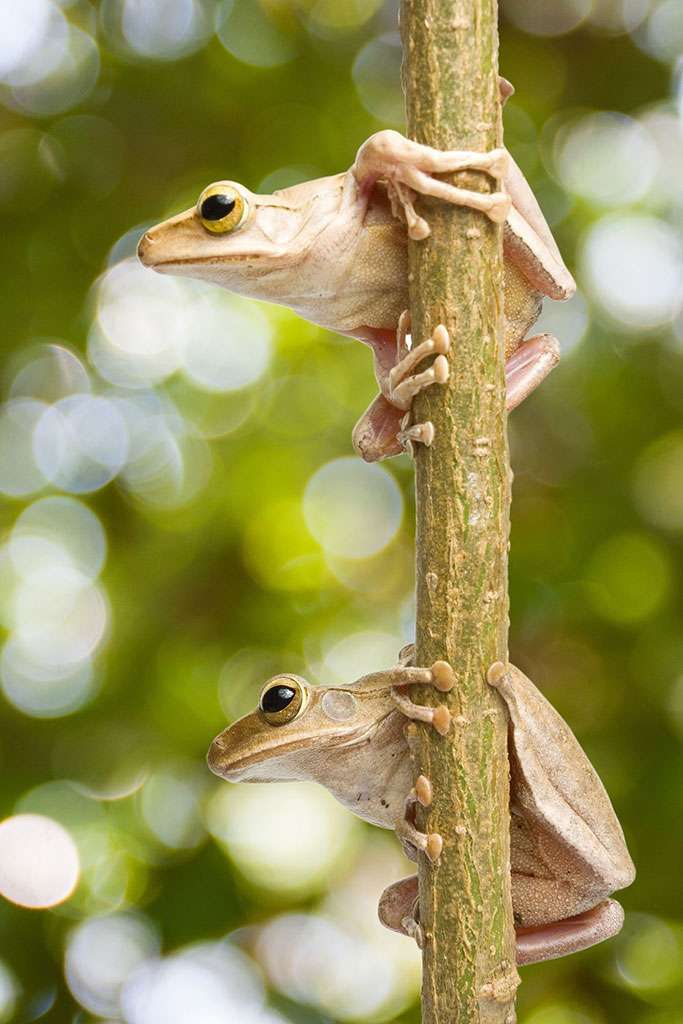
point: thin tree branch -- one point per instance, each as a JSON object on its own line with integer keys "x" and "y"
{"x": 463, "y": 500}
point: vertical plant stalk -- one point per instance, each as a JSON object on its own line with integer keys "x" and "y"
{"x": 463, "y": 505}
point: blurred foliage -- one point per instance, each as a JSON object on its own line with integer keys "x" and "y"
{"x": 197, "y": 438}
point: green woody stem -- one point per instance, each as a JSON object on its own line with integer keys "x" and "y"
{"x": 463, "y": 504}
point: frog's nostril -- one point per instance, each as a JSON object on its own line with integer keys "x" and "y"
{"x": 145, "y": 249}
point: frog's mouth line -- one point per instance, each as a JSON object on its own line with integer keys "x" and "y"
{"x": 206, "y": 259}
{"x": 218, "y": 750}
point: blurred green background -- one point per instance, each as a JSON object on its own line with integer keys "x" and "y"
{"x": 182, "y": 514}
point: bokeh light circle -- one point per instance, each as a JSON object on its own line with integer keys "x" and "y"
{"x": 9, "y": 993}
{"x": 80, "y": 443}
{"x": 19, "y": 472}
{"x": 377, "y": 77}
{"x": 351, "y": 508}
{"x": 633, "y": 264}
{"x": 101, "y": 953}
{"x": 285, "y": 841}
{"x": 42, "y": 690}
{"x": 359, "y": 653}
{"x": 229, "y": 348}
{"x": 213, "y": 983}
{"x": 606, "y": 157}
{"x": 540, "y": 18}
{"x": 658, "y": 482}
{"x": 60, "y": 615}
{"x": 66, "y": 522}
{"x": 39, "y": 865}
{"x": 631, "y": 576}
{"x": 311, "y": 957}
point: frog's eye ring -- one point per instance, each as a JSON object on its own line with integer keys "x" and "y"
{"x": 282, "y": 699}
{"x": 221, "y": 207}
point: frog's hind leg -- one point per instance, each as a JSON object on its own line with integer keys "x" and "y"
{"x": 385, "y": 428}
{"x": 398, "y": 911}
{"x": 528, "y": 366}
{"x": 375, "y": 436}
{"x": 568, "y": 936}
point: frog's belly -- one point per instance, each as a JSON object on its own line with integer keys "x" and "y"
{"x": 368, "y": 286}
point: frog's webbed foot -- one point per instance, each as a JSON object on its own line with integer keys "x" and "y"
{"x": 408, "y": 167}
{"x": 404, "y": 384}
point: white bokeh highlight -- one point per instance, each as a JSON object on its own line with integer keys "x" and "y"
{"x": 101, "y": 953}
{"x": 607, "y": 158}
{"x": 80, "y": 443}
{"x": 316, "y": 960}
{"x": 357, "y": 654}
{"x": 39, "y": 865}
{"x": 633, "y": 265}
{"x": 352, "y": 509}
{"x": 285, "y": 840}
{"x": 213, "y": 983}
{"x": 149, "y": 326}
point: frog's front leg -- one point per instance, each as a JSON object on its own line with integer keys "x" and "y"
{"x": 408, "y": 167}
{"x": 441, "y": 676}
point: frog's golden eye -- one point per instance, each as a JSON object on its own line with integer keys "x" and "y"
{"x": 221, "y": 208}
{"x": 282, "y": 699}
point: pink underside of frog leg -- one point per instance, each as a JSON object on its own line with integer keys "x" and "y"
{"x": 375, "y": 434}
{"x": 528, "y": 366}
{"x": 570, "y": 935}
{"x": 399, "y": 901}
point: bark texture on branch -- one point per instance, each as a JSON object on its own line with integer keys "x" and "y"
{"x": 463, "y": 501}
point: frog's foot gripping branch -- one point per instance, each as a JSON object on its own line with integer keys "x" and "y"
{"x": 408, "y": 168}
{"x": 404, "y": 384}
{"x": 386, "y": 428}
{"x": 441, "y": 676}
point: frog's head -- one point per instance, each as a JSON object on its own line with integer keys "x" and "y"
{"x": 289, "y": 735}
{"x": 232, "y": 238}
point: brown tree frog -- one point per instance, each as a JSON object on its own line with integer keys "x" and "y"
{"x": 567, "y": 848}
{"x": 335, "y": 251}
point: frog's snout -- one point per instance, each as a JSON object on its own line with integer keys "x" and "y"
{"x": 216, "y": 755}
{"x": 145, "y": 250}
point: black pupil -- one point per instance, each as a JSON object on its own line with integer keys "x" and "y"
{"x": 217, "y": 207}
{"x": 277, "y": 698}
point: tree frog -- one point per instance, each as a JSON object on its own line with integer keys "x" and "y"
{"x": 567, "y": 848}
{"x": 335, "y": 251}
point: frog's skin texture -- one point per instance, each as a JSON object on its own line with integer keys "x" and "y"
{"x": 335, "y": 251}
{"x": 567, "y": 847}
